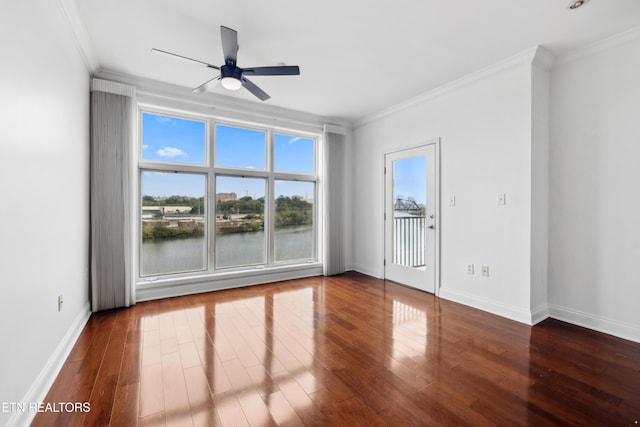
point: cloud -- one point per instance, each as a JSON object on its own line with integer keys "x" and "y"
{"x": 162, "y": 119}
{"x": 294, "y": 140}
{"x": 145, "y": 146}
{"x": 171, "y": 152}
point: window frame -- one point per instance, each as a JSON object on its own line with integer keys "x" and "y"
{"x": 211, "y": 172}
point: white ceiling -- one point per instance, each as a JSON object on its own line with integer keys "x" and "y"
{"x": 357, "y": 57}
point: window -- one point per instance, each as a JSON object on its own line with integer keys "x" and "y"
{"x": 294, "y": 154}
{"x": 172, "y": 139}
{"x": 240, "y": 148}
{"x": 255, "y": 186}
{"x": 173, "y": 223}
{"x": 240, "y": 237}
{"x": 294, "y": 222}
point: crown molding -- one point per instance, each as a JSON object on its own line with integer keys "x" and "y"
{"x": 156, "y": 92}
{"x": 528, "y": 56}
{"x": 341, "y": 130}
{"x": 599, "y": 46}
{"x": 79, "y": 34}
{"x": 543, "y": 58}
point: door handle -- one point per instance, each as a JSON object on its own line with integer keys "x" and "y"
{"x": 432, "y": 226}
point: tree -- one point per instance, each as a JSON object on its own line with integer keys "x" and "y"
{"x": 149, "y": 201}
{"x": 293, "y": 211}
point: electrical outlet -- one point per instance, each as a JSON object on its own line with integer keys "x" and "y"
{"x": 60, "y": 301}
{"x": 485, "y": 271}
{"x": 469, "y": 268}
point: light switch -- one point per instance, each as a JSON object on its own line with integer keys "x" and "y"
{"x": 502, "y": 199}
{"x": 452, "y": 200}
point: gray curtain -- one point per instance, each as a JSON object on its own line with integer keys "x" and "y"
{"x": 112, "y": 121}
{"x": 334, "y": 181}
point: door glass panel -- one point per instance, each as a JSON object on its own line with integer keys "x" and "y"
{"x": 409, "y": 204}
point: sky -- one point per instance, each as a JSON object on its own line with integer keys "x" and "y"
{"x": 176, "y": 140}
{"x": 410, "y": 179}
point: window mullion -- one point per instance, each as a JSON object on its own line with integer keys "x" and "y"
{"x": 270, "y": 201}
{"x": 245, "y": 173}
{"x": 295, "y": 177}
{"x": 211, "y": 197}
{"x": 171, "y": 167}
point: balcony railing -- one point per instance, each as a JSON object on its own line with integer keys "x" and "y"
{"x": 408, "y": 241}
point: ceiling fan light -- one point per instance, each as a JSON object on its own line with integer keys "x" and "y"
{"x": 576, "y": 4}
{"x": 231, "y": 83}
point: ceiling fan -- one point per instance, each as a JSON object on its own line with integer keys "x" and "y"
{"x": 231, "y": 76}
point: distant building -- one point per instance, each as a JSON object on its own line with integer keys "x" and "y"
{"x": 152, "y": 212}
{"x": 161, "y": 211}
{"x": 225, "y": 197}
{"x": 175, "y": 210}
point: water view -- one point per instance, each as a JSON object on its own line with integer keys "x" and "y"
{"x": 188, "y": 254}
{"x": 175, "y": 229}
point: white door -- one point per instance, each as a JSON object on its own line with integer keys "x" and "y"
{"x": 410, "y": 217}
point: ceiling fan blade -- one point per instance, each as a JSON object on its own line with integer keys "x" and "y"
{"x": 251, "y": 87}
{"x": 229, "y": 44}
{"x": 207, "y": 85}
{"x": 281, "y": 70}
{"x": 183, "y": 58}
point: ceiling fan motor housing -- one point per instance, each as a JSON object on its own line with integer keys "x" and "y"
{"x": 231, "y": 71}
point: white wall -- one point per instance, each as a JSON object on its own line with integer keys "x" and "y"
{"x": 44, "y": 182}
{"x": 485, "y": 128}
{"x": 594, "y": 267}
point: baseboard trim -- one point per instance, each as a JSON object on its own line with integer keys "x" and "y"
{"x": 539, "y": 314}
{"x": 45, "y": 379}
{"x": 605, "y": 325}
{"x": 368, "y": 271}
{"x": 503, "y": 310}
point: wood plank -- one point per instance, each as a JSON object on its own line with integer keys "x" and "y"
{"x": 176, "y": 399}
{"x": 125, "y": 405}
{"x": 281, "y": 411}
{"x": 201, "y": 400}
{"x": 151, "y": 396}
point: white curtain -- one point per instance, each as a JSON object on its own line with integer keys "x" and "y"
{"x": 334, "y": 182}
{"x": 112, "y": 126}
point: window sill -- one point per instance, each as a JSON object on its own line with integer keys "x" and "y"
{"x": 207, "y": 282}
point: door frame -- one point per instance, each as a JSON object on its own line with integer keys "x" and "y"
{"x": 437, "y": 210}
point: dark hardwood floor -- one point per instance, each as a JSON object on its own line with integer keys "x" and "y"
{"x": 348, "y": 350}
